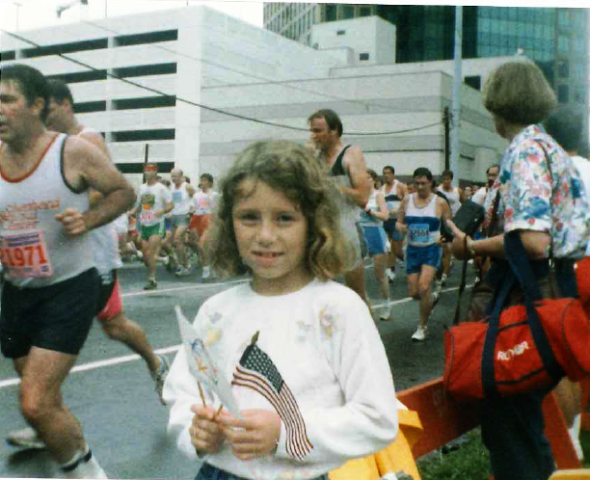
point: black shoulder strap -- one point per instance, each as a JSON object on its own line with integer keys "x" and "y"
{"x": 337, "y": 169}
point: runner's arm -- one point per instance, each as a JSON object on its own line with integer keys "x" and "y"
{"x": 359, "y": 179}
{"x": 87, "y": 166}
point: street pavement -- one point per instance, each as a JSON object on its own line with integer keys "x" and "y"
{"x": 112, "y": 394}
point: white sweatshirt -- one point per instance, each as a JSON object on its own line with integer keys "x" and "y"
{"x": 327, "y": 350}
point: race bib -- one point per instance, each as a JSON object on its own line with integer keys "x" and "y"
{"x": 419, "y": 233}
{"x": 26, "y": 256}
{"x": 176, "y": 197}
{"x": 147, "y": 217}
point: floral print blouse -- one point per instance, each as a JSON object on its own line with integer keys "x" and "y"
{"x": 543, "y": 196}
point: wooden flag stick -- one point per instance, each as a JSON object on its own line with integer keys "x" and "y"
{"x": 201, "y": 394}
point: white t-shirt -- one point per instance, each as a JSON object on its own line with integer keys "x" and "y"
{"x": 204, "y": 203}
{"x": 324, "y": 344}
{"x": 152, "y": 198}
{"x": 479, "y": 197}
{"x": 583, "y": 167}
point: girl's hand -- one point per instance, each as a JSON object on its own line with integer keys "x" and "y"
{"x": 255, "y": 435}
{"x": 458, "y": 245}
{"x": 206, "y": 434}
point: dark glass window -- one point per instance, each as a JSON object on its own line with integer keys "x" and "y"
{"x": 364, "y": 56}
{"x": 347, "y": 12}
{"x": 88, "y": 107}
{"x": 331, "y": 12}
{"x": 474, "y": 81}
{"x": 365, "y": 11}
{"x": 144, "y": 135}
{"x": 8, "y": 55}
{"x": 145, "y": 102}
{"x": 563, "y": 69}
{"x": 65, "y": 48}
{"x": 563, "y": 94}
{"x": 146, "y": 70}
{"x": 77, "y": 77}
{"x": 150, "y": 37}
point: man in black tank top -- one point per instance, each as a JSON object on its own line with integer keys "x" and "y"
{"x": 347, "y": 166}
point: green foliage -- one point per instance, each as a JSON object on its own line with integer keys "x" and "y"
{"x": 471, "y": 461}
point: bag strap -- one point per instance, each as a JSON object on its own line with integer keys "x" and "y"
{"x": 521, "y": 267}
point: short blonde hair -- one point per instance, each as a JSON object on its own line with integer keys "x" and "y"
{"x": 519, "y": 93}
{"x": 291, "y": 169}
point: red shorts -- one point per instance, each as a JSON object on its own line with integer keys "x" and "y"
{"x": 583, "y": 278}
{"x": 200, "y": 223}
{"x": 114, "y": 305}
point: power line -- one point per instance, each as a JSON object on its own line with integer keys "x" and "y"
{"x": 286, "y": 84}
{"x": 195, "y": 104}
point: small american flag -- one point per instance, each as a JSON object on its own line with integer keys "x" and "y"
{"x": 258, "y": 372}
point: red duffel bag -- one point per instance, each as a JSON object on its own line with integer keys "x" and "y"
{"x": 521, "y": 348}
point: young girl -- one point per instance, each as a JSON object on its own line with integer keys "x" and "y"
{"x": 307, "y": 366}
{"x": 372, "y": 219}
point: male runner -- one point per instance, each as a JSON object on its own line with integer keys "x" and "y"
{"x": 51, "y": 293}
{"x": 105, "y": 250}
{"x": 394, "y": 192}
{"x": 347, "y": 165}
{"x": 182, "y": 192}
{"x": 419, "y": 216}
{"x": 202, "y": 206}
{"x": 153, "y": 203}
{"x": 456, "y": 197}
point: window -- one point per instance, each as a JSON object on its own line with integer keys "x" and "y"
{"x": 363, "y": 57}
{"x": 563, "y": 69}
{"x": 8, "y": 55}
{"x": 146, "y": 70}
{"x": 144, "y": 135}
{"x": 137, "y": 167}
{"x": 347, "y": 12}
{"x": 563, "y": 44}
{"x": 564, "y": 17}
{"x": 65, "y": 48}
{"x": 331, "y": 12}
{"x": 474, "y": 81}
{"x": 563, "y": 93}
{"x": 88, "y": 107}
{"x": 365, "y": 11}
{"x": 77, "y": 77}
{"x": 341, "y": 32}
{"x": 150, "y": 37}
{"x": 145, "y": 102}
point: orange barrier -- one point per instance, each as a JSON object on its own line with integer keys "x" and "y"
{"x": 558, "y": 435}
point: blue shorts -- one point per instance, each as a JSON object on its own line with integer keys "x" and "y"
{"x": 418, "y": 256}
{"x": 389, "y": 227}
{"x": 209, "y": 472}
{"x": 375, "y": 238}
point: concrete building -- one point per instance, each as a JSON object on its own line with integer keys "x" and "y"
{"x": 555, "y": 38}
{"x": 196, "y": 87}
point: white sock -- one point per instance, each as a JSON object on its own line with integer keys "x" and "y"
{"x": 83, "y": 465}
{"x": 574, "y": 432}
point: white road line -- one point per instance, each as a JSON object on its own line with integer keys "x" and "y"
{"x": 178, "y": 289}
{"x": 131, "y": 358}
{"x": 99, "y": 364}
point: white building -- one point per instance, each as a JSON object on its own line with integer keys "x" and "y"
{"x": 214, "y": 84}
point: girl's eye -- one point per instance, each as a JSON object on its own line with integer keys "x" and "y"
{"x": 286, "y": 217}
{"x": 247, "y": 217}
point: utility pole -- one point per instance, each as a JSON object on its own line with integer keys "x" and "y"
{"x": 447, "y": 124}
{"x": 456, "y": 100}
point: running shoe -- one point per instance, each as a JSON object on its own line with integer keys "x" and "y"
{"x": 159, "y": 376}
{"x": 443, "y": 279}
{"x": 435, "y": 298}
{"x": 151, "y": 285}
{"x": 25, "y": 438}
{"x": 182, "y": 272}
{"x": 385, "y": 314}
{"x": 419, "y": 335}
{"x": 390, "y": 275}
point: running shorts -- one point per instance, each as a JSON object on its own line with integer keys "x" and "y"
{"x": 375, "y": 238}
{"x": 57, "y": 317}
{"x": 152, "y": 231}
{"x": 200, "y": 223}
{"x": 109, "y": 303}
{"x": 418, "y": 256}
{"x": 179, "y": 221}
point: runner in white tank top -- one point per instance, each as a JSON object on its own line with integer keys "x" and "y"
{"x": 49, "y": 300}
{"x": 182, "y": 193}
{"x": 394, "y": 192}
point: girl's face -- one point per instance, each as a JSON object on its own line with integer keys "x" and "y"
{"x": 271, "y": 233}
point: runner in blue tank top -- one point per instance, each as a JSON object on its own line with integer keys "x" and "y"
{"x": 419, "y": 216}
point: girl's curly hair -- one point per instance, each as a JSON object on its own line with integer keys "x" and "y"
{"x": 291, "y": 169}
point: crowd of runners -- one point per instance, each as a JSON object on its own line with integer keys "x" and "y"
{"x": 69, "y": 219}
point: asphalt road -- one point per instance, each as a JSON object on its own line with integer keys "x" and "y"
{"x": 111, "y": 392}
